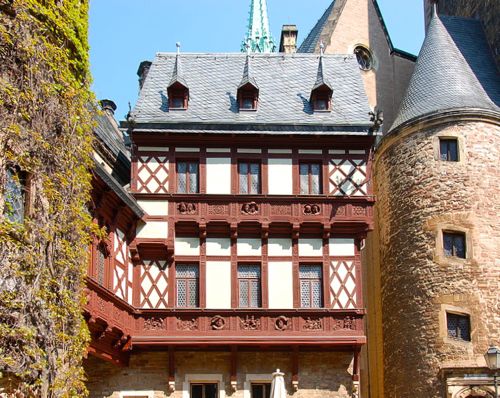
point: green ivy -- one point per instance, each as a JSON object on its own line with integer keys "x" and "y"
{"x": 45, "y": 130}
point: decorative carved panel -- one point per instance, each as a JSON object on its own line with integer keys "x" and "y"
{"x": 218, "y": 209}
{"x": 186, "y": 208}
{"x": 312, "y": 209}
{"x": 348, "y": 177}
{"x": 282, "y": 323}
{"x": 154, "y": 285}
{"x": 281, "y": 210}
{"x": 154, "y": 324}
{"x": 217, "y": 323}
{"x": 250, "y": 208}
{"x": 187, "y": 324}
{"x": 250, "y": 323}
{"x": 343, "y": 284}
{"x": 152, "y": 174}
{"x": 312, "y": 324}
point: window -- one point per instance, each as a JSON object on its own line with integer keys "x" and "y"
{"x": 261, "y": 390}
{"x": 14, "y": 195}
{"x": 249, "y": 286}
{"x": 187, "y": 177}
{"x": 247, "y": 103}
{"x": 248, "y": 97}
{"x": 187, "y": 282}
{"x": 249, "y": 177}
{"x": 207, "y": 390}
{"x": 310, "y": 286}
{"x": 448, "y": 149}
{"x": 310, "y": 179}
{"x": 321, "y": 103}
{"x": 101, "y": 263}
{"x": 454, "y": 244}
{"x": 364, "y": 58}
{"x": 178, "y": 96}
{"x": 458, "y": 326}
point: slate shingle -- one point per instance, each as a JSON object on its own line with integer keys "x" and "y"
{"x": 285, "y": 83}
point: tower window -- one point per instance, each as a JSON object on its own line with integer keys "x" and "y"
{"x": 454, "y": 244}
{"x": 458, "y": 326}
{"x": 448, "y": 149}
{"x": 364, "y": 58}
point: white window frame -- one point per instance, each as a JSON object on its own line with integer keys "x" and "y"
{"x": 255, "y": 378}
{"x": 201, "y": 378}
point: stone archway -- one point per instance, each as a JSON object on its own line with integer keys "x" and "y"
{"x": 474, "y": 392}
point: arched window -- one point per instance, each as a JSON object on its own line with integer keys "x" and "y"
{"x": 364, "y": 57}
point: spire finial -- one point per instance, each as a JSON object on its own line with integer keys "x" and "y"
{"x": 178, "y": 45}
{"x": 258, "y": 33}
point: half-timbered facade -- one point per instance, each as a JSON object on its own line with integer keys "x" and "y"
{"x": 254, "y": 220}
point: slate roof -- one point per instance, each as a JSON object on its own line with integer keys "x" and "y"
{"x": 455, "y": 70}
{"x": 285, "y": 83}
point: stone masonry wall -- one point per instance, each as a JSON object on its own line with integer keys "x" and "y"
{"x": 321, "y": 374}
{"x": 418, "y": 197}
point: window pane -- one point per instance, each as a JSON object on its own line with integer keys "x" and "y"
{"x": 247, "y": 103}
{"x": 243, "y": 293}
{"x": 255, "y": 178}
{"x": 452, "y": 151}
{"x": 315, "y": 179}
{"x": 255, "y": 293}
{"x": 305, "y": 294}
{"x": 182, "y": 177}
{"x": 448, "y": 244}
{"x": 14, "y": 196}
{"x": 193, "y": 292}
{"x": 193, "y": 177}
{"x": 459, "y": 245}
{"x": 177, "y": 102}
{"x": 196, "y": 391}
{"x": 243, "y": 172}
{"x": 186, "y": 271}
{"x": 257, "y": 391}
{"x": 181, "y": 293}
{"x": 458, "y": 326}
{"x": 304, "y": 179}
{"x": 316, "y": 294}
{"x": 100, "y": 266}
{"x": 210, "y": 390}
{"x": 310, "y": 271}
{"x": 248, "y": 271}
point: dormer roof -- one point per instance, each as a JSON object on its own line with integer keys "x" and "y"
{"x": 248, "y": 77}
{"x": 321, "y": 81}
{"x": 454, "y": 70}
{"x": 177, "y": 73}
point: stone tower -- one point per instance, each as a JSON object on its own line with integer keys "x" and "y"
{"x": 436, "y": 178}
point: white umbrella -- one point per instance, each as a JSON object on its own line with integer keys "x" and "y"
{"x": 278, "y": 389}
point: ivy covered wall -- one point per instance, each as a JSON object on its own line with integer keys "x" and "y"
{"x": 46, "y": 135}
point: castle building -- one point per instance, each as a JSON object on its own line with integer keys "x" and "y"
{"x": 244, "y": 234}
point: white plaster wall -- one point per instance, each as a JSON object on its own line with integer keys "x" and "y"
{"x": 187, "y": 246}
{"x": 310, "y": 247}
{"x": 153, "y": 230}
{"x": 341, "y": 247}
{"x": 279, "y": 247}
{"x": 218, "y": 246}
{"x": 154, "y": 207}
{"x": 218, "y": 284}
{"x": 218, "y": 175}
{"x": 249, "y": 247}
{"x": 280, "y": 284}
{"x": 280, "y": 176}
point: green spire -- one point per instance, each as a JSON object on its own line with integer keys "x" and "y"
{"x": 258, "y": 37}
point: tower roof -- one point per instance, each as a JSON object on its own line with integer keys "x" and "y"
{"x": 455, "y": 70}
{"x": 258, "y": 35}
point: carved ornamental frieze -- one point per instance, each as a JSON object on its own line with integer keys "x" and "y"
{"x": 217, "y": 323}
{"x": 186, "y": 208}
{"x": 187, "y": 324}
{"x": 282, "y": 323}
{"x": 154, "y": 324}
{"x": 347, "y": 323}
{"x": 312, "y": 210}
{"x": 250, "y": 323}
{"x": 251, "y": 208}
{"x": 312, "y": 324}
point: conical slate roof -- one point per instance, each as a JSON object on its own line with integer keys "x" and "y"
{"x": 455, "y": 70}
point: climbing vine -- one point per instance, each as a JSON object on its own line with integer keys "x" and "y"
{"x": 46, "y": 132}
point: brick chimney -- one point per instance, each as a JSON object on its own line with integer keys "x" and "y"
{"x": 288, "y": 42}
{"x": 142, "y": 72}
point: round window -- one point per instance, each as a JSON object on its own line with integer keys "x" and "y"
{"x": 364, "y": 57}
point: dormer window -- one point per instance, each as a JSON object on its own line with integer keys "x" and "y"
{"x": 178, "y": 96}
{"x": 321, "y": 99}
{"x": 248, "y": 97}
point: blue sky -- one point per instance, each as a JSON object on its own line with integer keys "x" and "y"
{"x": 125, "y": 32}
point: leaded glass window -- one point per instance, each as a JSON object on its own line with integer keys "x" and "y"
{"x": 14, "y": 195}
{"x": 187, "y": 177}
{"x": 364, "y": 58}
{"x": 249, "y": 177}
{"x": 249, "y": 286}
{"x": 310, "y": 286}
{"x": 101, "y": 262}
{"x": 454, "y": 244}
{"x": 310, "y": 178}
{"x": 458, "y": 326}
{"x": 187, "y": 283}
